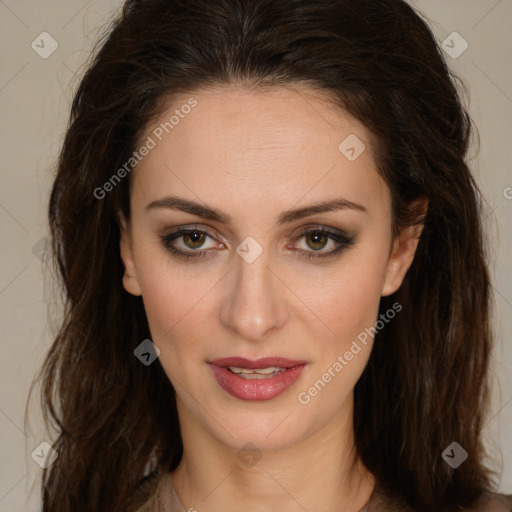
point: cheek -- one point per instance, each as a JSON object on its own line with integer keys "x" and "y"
{"x": 173, "y": 294}
{"x": 175, "y": 309}
{"x": 349, "y": 300}
{"x": 349, "y": 307}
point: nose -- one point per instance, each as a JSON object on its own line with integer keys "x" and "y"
{"x": 255, "y": 303}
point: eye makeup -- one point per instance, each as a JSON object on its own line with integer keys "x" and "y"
{"x": 186, "y": 242}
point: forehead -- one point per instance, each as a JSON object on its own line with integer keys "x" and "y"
{"x": 259, "y": 143}
{"x": 258, "y": 118}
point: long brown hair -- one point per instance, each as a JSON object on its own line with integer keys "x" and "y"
{"x": 426, "y": 383}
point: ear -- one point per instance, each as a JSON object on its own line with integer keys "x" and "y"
{"x": 130, "y": 281}
{"x": 403, "y": 251}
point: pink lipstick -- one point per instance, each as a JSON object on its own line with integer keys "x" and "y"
{"x": 261, "y": 379}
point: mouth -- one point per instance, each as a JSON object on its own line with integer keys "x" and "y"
{"x": 261, "y": 379}
{"x": 260, "y": 373}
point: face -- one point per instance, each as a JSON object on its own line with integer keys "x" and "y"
{"x": 235, "y": 257}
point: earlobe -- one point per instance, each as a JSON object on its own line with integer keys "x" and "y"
{"x": 130, "y": 281}
{"x": 402, "y": 254}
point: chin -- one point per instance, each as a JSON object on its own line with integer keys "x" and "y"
{"x": 267, "y": 431}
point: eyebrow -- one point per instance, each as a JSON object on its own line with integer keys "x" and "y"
{"x": 207, "y": 212}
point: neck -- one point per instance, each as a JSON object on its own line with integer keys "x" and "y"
{"x": 320, "y": 472}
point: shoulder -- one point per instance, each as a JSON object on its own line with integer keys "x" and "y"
{"x": 492, "y": 502}
{"x": 383, "y": 500}
{"x": 149, "y": 489}
{"x": 162, "y": 495}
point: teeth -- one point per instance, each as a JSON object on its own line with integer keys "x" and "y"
{"x": 256, "y": 376}
{"x": 259, "y": 371}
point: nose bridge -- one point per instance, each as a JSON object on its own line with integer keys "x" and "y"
{"x": 255, "y": 301}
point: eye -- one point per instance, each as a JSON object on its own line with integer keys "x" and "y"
{"x": 318, "y": 239}
{"x": 185, "y": 242}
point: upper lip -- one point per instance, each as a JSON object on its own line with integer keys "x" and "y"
{"x": 265, "y": 362}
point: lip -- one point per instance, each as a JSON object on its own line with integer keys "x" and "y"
{"x": 256, "y": 389}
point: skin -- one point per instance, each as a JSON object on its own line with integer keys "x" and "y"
{"x": 253, "y": 154}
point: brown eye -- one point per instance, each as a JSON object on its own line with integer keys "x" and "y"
{"x": 193, "y": 239}
{"x": 318, "y": 240}
{"x": 190, "y": 243}
{"x": 322, "y": 243}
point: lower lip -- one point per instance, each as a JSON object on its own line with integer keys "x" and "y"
{"x": 256, "y": 389}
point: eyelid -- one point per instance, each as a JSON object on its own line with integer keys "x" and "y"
{"x": 321, "y": 228}
{"x": 187, "y": 229}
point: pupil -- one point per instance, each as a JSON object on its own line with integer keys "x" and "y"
{"x": 195, "y": 237}
{"x": 317, "y": 239}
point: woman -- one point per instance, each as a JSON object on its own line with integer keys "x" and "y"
{"x": 273, "y": 262}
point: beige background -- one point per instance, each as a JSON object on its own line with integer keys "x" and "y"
{"x": 35, "y": 94}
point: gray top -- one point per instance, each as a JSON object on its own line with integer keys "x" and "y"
{"x": 165, "y": 499}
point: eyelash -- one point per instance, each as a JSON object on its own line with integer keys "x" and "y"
{"x": 344, "y": 241}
